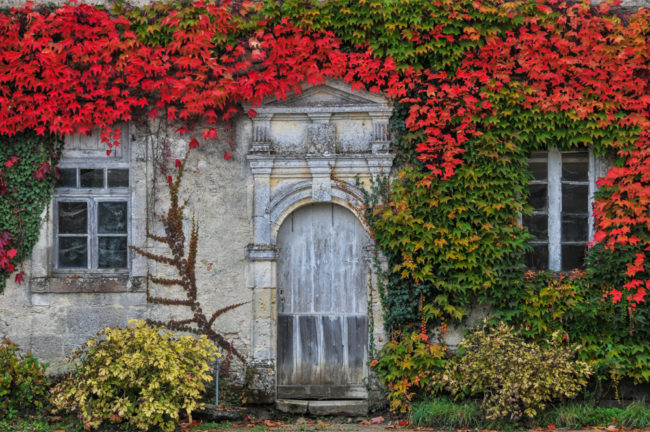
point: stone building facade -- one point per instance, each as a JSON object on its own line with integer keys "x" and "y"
{"x": 306, "y": 156}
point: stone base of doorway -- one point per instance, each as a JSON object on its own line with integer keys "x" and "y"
{"x": 323, "y": 407}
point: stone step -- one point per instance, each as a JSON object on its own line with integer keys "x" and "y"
{"x": 350, "y": 407}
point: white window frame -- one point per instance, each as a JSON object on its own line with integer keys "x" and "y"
{"x": 88, "y": 152}
{"x": 554, "y": 180}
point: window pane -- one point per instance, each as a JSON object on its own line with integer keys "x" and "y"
{"x": 73, "y": 252}
{"x": 118, "y": 178}
{"x": 73, "y": 218}
{"x": 538, "y": 258}
{"x": 68, "y": 178}
{"x": 538, "y": 169}
{"x": 92, "y": 178}
{"x": 112, "y": 252}
{"x": 111, "y": 217}
{"x": 537, "y": 225}
{"x": 573, "y": 256}
{"x": 575, "y": 198}
{"x": 538, "y": 196}
{"x": 575, "y": 171}
{"x": 575, "y": 228}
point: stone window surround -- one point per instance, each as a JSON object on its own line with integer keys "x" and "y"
{"x": 44, "y": 278}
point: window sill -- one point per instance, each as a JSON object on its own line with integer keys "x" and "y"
{"x": 88, "y": 283}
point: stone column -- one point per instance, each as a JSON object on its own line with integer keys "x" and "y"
{"x": 262, "y": 258}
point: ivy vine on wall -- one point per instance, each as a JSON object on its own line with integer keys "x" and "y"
{"x": 27, "y": 177}
{"x": 478, "y": 84}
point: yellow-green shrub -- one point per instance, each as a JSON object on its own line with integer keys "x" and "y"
{"x": 143, "y": 375}
{"x": 22, "y": 380}
{"x": 515, "y": 377}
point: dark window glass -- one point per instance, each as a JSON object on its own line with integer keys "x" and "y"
{"x": 538, "y": 258}
{"x": 91, "y": 178}
{"x": 575, "y": 228}
{"x": 539, "y": 170}
{"x": 537, "y": 225}
{"x": 111, "y": 217}
{"x": 118, "y": 177}
{"x": 575, "y": 171}
{"x": 573, "y": 256}
{"x": 68, "y": 178}
{"x": 538, "y": 196}
{"x": 73, "y": 218}
{"x": 73, "y": 252}
{"x": 575, "y": 198}
{"x": 112, "y": 252}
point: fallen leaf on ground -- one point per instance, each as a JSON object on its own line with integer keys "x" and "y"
{"x": 376, "y": 420}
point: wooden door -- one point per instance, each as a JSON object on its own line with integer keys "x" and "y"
{"x": 322, "y": 305}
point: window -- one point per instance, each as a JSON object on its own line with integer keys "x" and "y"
{"x": 561, "y": 196}
{"x": 91, "y": 213}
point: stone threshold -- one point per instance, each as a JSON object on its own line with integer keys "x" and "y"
{"x": 350, "y": 407}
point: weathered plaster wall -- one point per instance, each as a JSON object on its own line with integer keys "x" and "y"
{"x": 52, "y": 315}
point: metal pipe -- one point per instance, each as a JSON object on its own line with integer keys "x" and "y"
{"x": 216, "y": 381}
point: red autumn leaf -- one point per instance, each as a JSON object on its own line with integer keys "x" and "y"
{"x": 227, "y": 156}
{"x": 19, "y": 278}
{"x": 177, "y": 163}
{"x": 252, "y": 113}
{"x": 194, "y": 143}
{"x": 616, "y": 295}
{"x": 210, "y": 134}
{"x": 11, "y": 253}
{"x": 12, "y": 161}
{"x": 42, "y": 171}
{"x": 169, "y": 179}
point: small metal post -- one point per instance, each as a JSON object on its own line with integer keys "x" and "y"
{"x": 217, "y": 364}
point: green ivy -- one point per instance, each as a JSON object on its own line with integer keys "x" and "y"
{"x": 21, "y": 208}
{"x": 393, "y": 27}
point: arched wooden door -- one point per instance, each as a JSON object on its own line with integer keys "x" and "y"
{"x": 322, "y": 305}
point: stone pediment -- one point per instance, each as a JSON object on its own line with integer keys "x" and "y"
{"x": 324, "y": 119}
{"x": 332, "y": 96}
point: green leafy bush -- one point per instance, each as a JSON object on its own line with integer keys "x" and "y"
{"x": 142, "y": 375}
{"x": 407, "y": 365}
{"x": 22, "y": 380}
{"x": 515, "y": 377}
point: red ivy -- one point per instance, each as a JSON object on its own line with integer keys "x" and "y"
{"x": 78, "y": 67}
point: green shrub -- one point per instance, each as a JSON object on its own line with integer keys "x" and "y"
{"x": 443, "y": 413}
{"x": 143, "y": 375}
{"x": 22, "y": 380}
{"x": 407, "y": 365}
{"x": 515, "y": 377}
